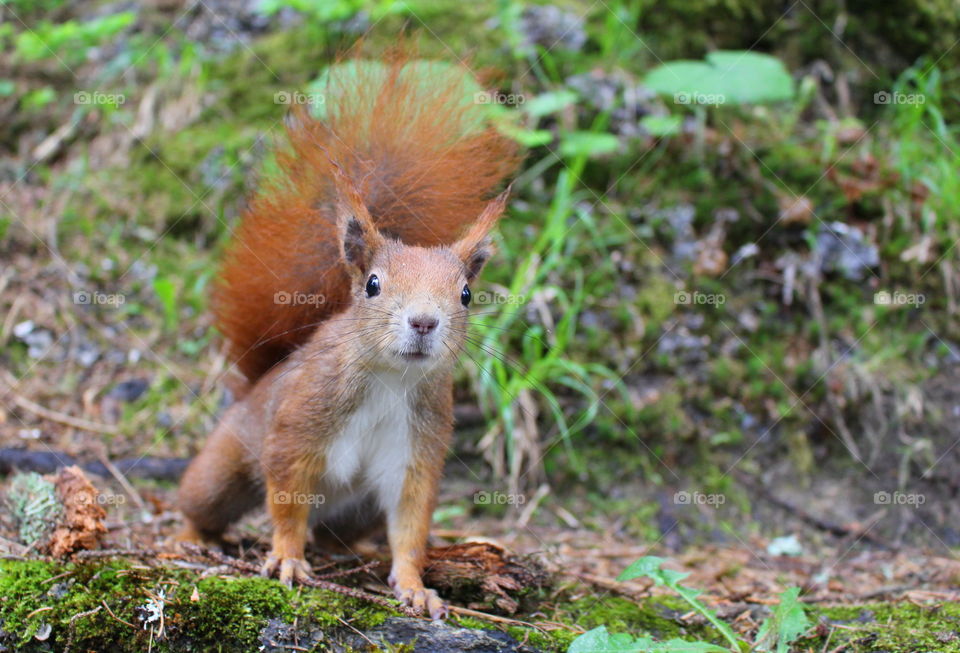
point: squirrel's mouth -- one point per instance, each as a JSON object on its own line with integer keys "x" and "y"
{"x": 413, "y": 355}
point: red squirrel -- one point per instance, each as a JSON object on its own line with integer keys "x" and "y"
{"x": 343, "y": 299}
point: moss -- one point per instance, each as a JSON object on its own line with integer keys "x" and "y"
{"x": 230, "y": 613}
{"x": 895, "y": 627}
{"x": 656, "y": 616}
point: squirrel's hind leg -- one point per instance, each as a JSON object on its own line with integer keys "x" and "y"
{"x": 218, "y": 487}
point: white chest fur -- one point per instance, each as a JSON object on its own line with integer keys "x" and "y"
{"x": 373, "y": 451}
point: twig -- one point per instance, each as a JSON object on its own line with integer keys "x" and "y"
{"x": 53, "y": 415}
{"x": 613, "y": 585}
{"x": 467, "y": 612}
{"x": 53, "y": 578}
{"x": 85, "y": 614}
{"x": 122, "y": 480}
{"x": 14, "y": 548}
{"x": 72, "y": 629}
{"x": 45, "y": 462}
{"x": 531, "y": 507}
{"x": 823, "y": 524}
{"x": 349, "y": 572}
{"x": 117, "y": 553}
{"x": 369, "y": 641}
{"x": 39, "y": 610}
{"x": 816, "y": 307}
{"x": 104, "y": 603}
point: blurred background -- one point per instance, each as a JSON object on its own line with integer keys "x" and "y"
{"x": 723, "y": 311}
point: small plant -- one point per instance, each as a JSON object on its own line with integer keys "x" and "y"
{"x": 786, "y": 624}
{"x": 32, "y": 501}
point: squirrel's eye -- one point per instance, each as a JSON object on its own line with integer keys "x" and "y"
{"x": 465, "y": 296}
{"x": 373, "y": 286}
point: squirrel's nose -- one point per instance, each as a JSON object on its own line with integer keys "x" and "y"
{"x": 423, "y": 324}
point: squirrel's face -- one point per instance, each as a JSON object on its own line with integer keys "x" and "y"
{"x": 412, "y": 303}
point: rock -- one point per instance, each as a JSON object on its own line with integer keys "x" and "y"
{"x": 843, "y": 248}
{"x": 279, "y": 637}
{"x": 38, "y": 340}
{"x": 129, "y": 390}
{"x": 430, "y": 637}
{"x": 551, "y": 27}
{"x": 23, "y": 329}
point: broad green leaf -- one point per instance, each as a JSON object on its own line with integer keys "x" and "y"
{"x": 599, "y": 640}
{"x": 592, "y": 641}
{"x": 588, "y": 144}
{"x": 526, "y": 137}
{"x": 38, "y": 98}
{"x": 662, "y": 125}
{"x": 787, "y": 623}
{"x": 550, "y": 102}
{"x": 737, "y": 77}
{"x": 683, "y": 646}
{"x": 649, "y": 566}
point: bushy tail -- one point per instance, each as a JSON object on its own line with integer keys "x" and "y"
{"x": 411, "y": 137}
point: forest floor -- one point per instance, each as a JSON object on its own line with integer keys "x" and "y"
{"x": 799, "y": 434}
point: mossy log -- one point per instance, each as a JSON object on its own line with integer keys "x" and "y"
{"x": 121, "y": 606}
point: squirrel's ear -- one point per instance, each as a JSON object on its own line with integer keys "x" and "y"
{"x": 359, "y": 238}
{"x": 475, "y": 248}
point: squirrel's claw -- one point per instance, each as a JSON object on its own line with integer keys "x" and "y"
{"x": 423, "y": 600}
{"x": 291, "y": 569}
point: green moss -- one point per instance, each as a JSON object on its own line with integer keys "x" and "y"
{"x": 229, "y": 614}
{"x": 655, "y": 616}
{"x": 896, "y": 627}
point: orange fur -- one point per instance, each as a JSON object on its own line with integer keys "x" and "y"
{"x": 420, "y": 164}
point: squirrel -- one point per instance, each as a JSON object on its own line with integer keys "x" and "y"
{"x": 343, "y": 299}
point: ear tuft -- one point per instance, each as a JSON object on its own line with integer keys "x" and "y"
{"x": 354, "y": 246}
{"x": 359, "y": 238}
{"x": 476, "y": 248}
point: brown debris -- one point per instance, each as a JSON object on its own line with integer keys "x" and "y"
{"x": 81, "y": 526}
{"x": 484, "y": 569}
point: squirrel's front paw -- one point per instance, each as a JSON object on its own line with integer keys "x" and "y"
{"x": 290, "y": 569}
